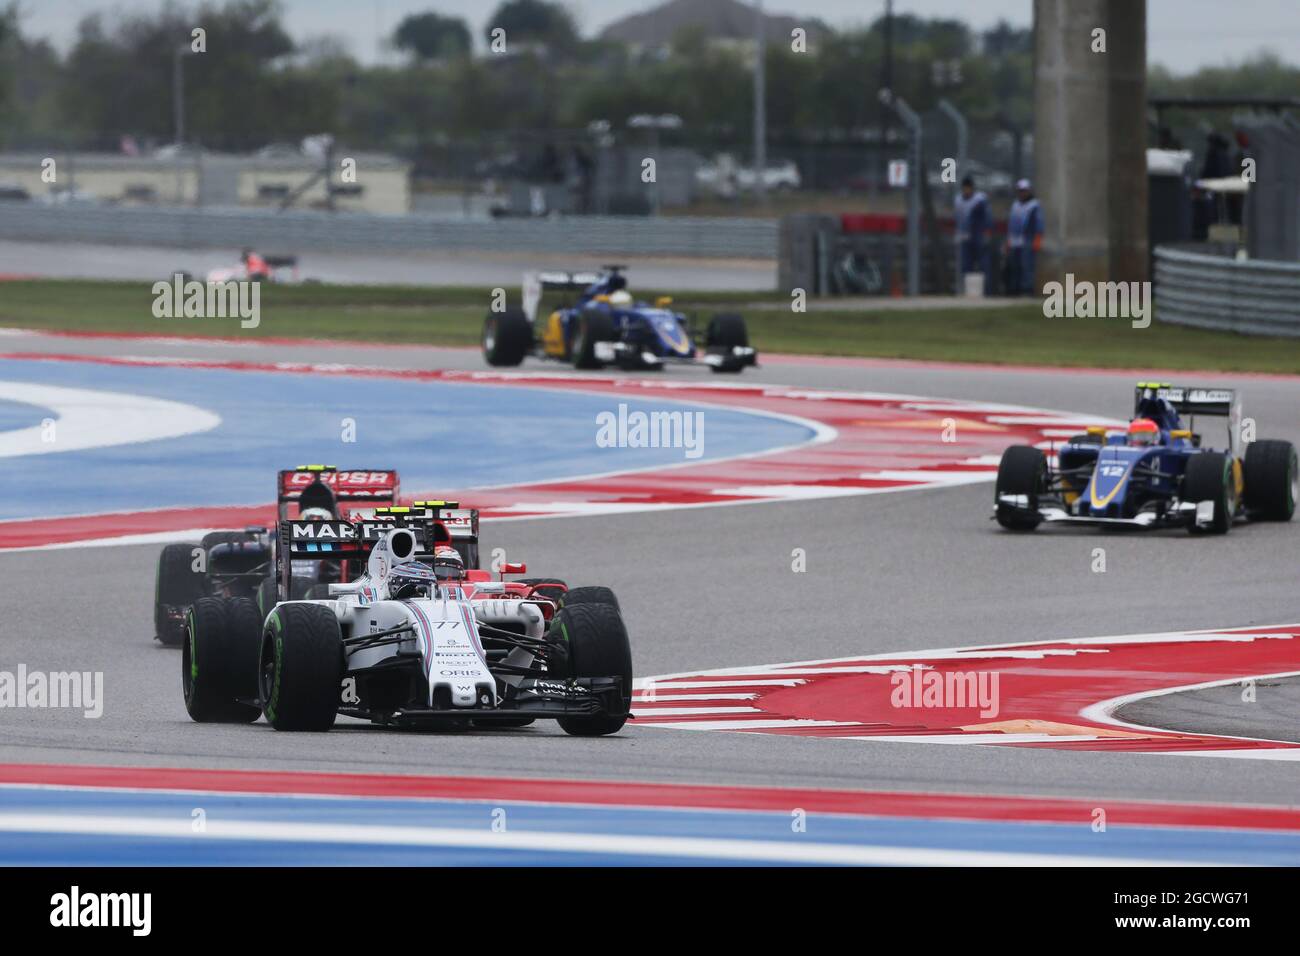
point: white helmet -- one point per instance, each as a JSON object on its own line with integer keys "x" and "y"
{"x": 621, "y": 297}
{"x": 315, "y": 514}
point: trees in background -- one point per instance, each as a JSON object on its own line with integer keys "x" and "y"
{"x": 431, "y": 36}
{"x": 534, "y": 22}
{"x": 255, "y": 85}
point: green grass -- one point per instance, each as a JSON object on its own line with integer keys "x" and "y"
{"x": 1020, "y": 335}
{"x": 452, "y": 316}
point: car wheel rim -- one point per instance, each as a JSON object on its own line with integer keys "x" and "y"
{"x": 187, "y": 680}
{"x": 266, "y": 677}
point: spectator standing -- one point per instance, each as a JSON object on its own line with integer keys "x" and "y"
{"x": 1024, "y": 240}
{"x": 971, "y": 210}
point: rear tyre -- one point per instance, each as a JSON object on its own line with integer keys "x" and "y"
{"x": 1022, "y": 471}
{"x": 725, "y": 332}
{"x": 1272, "y": 480}
{"x": 268, "y": 596}
{"x": 219, "y": 660}
{"x": 177, "y": 585}
{"x": 301, "y": 667}
{"x": 590, "y": 327}
{"x": 591, "y": 595}
{"x": 595, "y": 643}
{"x": 1209, "y": 478}
{"x": 551, "y": 588}
{"x": 222, "y": 537}
{"x": 507, "y": 337}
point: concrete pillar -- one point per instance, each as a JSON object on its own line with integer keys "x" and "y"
{"x": 1090, "y": 136}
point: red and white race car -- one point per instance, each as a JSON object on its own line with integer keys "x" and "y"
{"x": 254, "y": 267}
{"x": 411, "y": 633}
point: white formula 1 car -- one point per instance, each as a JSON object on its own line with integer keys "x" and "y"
{"x": 413, "y": 639}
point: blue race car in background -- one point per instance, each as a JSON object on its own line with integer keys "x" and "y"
{"x": 1155, "y": 474}
{"x": 607, "y": 326}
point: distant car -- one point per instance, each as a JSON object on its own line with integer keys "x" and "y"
{"x": 725, "y": 177}
{"x": 254, "y": 267}
{"x": 412, "y": 639}
{"x": 240, "y": 563}
{"x": 607, "y": 326}
{"x": 1154, "y": 474}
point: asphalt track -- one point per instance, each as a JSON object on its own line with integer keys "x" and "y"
{"x": 714, "y": 588}
{"x": 70, "y": 260}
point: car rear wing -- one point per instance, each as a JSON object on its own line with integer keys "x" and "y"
{"x": 536, "y": 284}
{"x": 372, "y": 486}
{"x": 350, "y": 542}
{"x": 461, "y": 524}
{"x": 1196, "y": 400}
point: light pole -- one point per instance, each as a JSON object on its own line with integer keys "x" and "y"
{"x": 963, "y": 133}
{"x": 760, "y": 104}
{"x": 178, "y": 92}
{"x": 913, "y": 122}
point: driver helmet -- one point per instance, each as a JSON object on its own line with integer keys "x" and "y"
{"x": 620, "y": 298}
{"x": 410, "y": 580}
{"x": 447, "y": 564}
{"x": 1143, "y": 431}
{"x": 315, "y": 514}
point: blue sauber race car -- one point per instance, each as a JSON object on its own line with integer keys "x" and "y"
{"x": 607, "y": 326}
{"x": 1154, "y": 474}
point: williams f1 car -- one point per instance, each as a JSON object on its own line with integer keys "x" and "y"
{"x": 413, "y": 638}
{"x": 240, "y": 563}
{"x": 1154, "y": 474}
{"x": 607, "y": 326}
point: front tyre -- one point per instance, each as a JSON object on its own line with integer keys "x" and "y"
{"x": 1023, "y": 473}
{"x": 301, "y": 667}
{"x": 1209, "y": 478}
{"x": 725, "y": 332}
{"x": 595, "y": 645}
{"x": 1272, "y": 480}
{"x": 590, "y": 327}
{"x": 219, "y": 660}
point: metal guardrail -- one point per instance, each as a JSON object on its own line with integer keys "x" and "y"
{"x": 1237, "y": 295}
{"x": 304, "y": 229}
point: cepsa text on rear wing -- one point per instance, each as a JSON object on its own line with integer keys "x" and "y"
{"x": 374, "y": 486}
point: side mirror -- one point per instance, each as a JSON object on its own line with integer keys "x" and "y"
{"x": 517, "y": 567}
{"x": 663, "y": 301}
